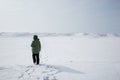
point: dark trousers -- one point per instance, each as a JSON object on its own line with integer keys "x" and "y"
{"x": 35, "y": 58}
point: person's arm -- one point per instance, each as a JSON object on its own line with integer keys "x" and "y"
{"x": 39, "y": 46}
{"x": 32, "y": 44}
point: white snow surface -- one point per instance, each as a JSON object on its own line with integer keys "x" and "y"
{"x": 78, "y": 56}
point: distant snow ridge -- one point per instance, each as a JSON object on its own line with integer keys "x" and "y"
{"x": 16, "y": 34}
{"x": 87, "y": 35}
{"x": 96, "y": 35}
{"x": 27, "y": 34}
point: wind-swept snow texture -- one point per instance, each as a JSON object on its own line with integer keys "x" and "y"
{"x": 80, "y": 56}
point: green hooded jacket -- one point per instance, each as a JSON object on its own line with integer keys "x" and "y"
{"x": 36, "y": 46}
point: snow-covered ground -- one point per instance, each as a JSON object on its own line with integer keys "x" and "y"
{"x": 79, "y": 56}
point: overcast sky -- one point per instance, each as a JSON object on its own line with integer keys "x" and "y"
{"x": 61, "y": 16}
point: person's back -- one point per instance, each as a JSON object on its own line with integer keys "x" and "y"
{"x": 36, "y": 47}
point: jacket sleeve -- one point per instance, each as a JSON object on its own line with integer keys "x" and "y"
{"x": 32, "y": 44}
{"x": 39, "y": 46}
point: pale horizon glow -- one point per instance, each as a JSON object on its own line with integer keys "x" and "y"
{"x": 60, "y": 16}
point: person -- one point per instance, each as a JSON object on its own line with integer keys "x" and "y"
{"x": 36, "y": 48}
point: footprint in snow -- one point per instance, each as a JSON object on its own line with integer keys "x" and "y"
{"x": 39, "y": 72}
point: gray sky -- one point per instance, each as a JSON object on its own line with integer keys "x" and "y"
{"x": 62, "y": 16}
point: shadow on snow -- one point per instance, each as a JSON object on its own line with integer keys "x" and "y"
{"x": 63, "y": 69}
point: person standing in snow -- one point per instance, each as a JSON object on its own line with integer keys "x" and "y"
{"x": 36, "y": 48}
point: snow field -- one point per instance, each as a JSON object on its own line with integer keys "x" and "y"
{"x": 62, "y": 58}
